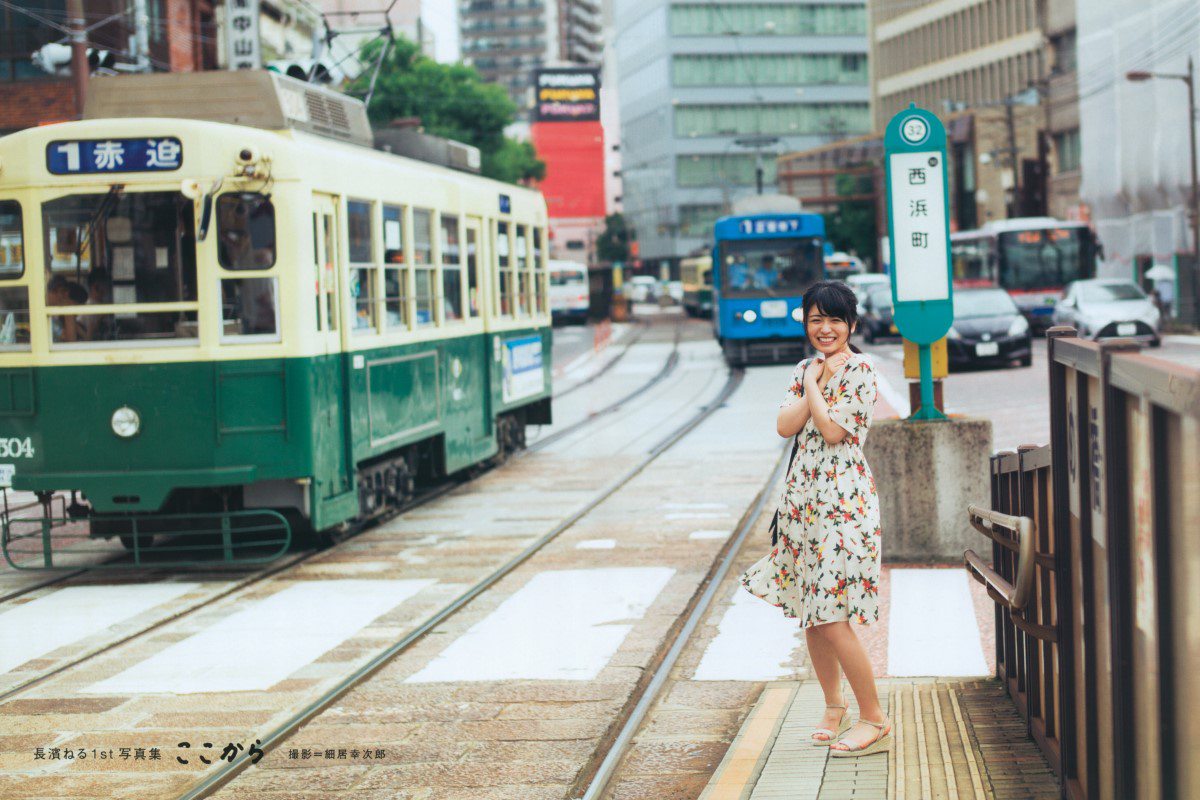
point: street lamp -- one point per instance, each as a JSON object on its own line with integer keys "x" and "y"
{"x": 1189, "y": 79}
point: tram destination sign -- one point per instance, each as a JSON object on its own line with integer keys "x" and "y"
{"x": 99, "y": 156}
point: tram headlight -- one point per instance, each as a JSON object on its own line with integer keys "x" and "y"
{"x": 749, "y": 315}
{"x": 798, "y": 314}
{"x": 126, "y": 422}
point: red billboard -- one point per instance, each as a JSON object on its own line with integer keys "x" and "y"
{"x": 574, "y": 156}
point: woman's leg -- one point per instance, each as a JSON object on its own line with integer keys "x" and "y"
{"x": 857, "y": 665}
{"x": 825, "y": 663}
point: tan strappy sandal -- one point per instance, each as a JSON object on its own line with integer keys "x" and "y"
{"x": 843, "y": 726}
{"x": 881, "y": 742}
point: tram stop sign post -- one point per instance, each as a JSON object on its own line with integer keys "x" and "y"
{"x": 919, "y": 237}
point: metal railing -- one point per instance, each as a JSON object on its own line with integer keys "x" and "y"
{"x": 1096, "y": 573}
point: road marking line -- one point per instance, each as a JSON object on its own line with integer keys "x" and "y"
{"x": 68, "y": 615}
{"x": 709, "y": 534}
{"x": 932, "y": 630}
{"x": 697, "y": 515}
{"x": 596, "y": 544}
{"x": 561, "y": 625}
{"x": 752, "y": 643}
{"x": 266, "y": 641}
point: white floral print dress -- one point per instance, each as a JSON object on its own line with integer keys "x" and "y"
{"x": 825, "y": 565}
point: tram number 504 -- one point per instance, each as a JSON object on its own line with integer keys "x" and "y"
{"x": 16, "y": 448}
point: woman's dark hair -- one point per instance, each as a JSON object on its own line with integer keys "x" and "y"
{"x": 833, "y": 299}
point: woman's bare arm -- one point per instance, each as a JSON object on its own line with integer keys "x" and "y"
{"x": 793, "y": 418}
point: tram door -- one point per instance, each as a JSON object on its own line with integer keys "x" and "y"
{"x": 476, "y": 258}
{"x": 331, "y": 385}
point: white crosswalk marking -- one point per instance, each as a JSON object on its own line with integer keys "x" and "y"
{"x": 561, "y": 625}
{"x": 265, "y": 642}
{"x": 933, "y": 629}
{"x": 753, "y": 642}
{"x": 68, "y": 615}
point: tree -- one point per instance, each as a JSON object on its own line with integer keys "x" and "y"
{"x": 851, "y": 228}
{"x": 452, "y": 100}
{"x": 613, "y": 243}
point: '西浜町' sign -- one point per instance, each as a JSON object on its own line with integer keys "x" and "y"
{"x": 919, "y": 224}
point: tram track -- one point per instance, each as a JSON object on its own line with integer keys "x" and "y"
{"x": 642, "y": 327}
{"x": 289, "y": 563}
{"x": 228, "y": 772}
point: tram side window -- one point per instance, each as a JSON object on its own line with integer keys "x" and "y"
{"x": 504, "y": 285}
{"x": 109, "y": 249}
{"x": 451, "y": 269}
{"x": 423, "y": 266}
{"x": 245, "y": 231}
{"x": 539, "y": 274}
{"x": 361, "y": 234}
{"x": 395, "y": 282}
{"x": 14, "y": 300}
{"x": 523, "y": 286}
{"x": 250, "y": 307}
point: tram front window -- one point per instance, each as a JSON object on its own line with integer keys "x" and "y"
{"x": 1042, "y": 259}
{"x": 770, "y": 268}
{"x": 122, "y": 249}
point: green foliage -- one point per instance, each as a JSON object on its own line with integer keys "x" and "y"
{"x": 851, "y": 228}
{"x": 453, "y": 101}
{"x": 613, "y": 243}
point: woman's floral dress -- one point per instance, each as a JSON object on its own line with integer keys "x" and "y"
{"x": 825, "y": 565}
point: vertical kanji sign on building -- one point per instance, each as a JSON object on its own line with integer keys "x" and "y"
{"x": 242, "y": 49}
{"x": 919, "y": 233}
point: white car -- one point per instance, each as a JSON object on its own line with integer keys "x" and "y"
{"x": 675, "y": 291}
{"x": 642, "y": 289}
{"x": 1103, "y": 308}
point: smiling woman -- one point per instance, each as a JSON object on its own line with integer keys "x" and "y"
{"x": 824, "y": 568}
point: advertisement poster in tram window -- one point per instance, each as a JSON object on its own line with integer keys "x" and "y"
{"x": 567, "y": 95}
{"x": 523, "y": 373}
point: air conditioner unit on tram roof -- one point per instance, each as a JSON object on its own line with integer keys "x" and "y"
{"x": 256, "y": 98}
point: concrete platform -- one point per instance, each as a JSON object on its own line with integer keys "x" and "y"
{"x": 959, "y": 740}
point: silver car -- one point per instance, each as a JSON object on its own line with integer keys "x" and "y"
{"x": 1103, "y": 308}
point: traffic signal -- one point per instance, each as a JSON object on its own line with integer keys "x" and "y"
{"x": 55, "y": 59}
{"x": 323, "y": 72}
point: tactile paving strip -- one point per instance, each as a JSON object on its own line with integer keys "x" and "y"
{"x": 953, "y": 740}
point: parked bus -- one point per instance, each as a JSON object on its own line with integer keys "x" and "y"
{"x": 696, "y": 275}
{"x": 569, "y": 292}
{"x": 1032, "y": 258}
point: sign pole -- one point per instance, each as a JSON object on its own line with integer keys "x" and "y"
{"x": 927, "y": 410}
{"x": 918, "y": 203}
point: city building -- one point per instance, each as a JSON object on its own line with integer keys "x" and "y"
{"x": 1135, "y": 157}
{"x": 710, "y": 95}
{"x": 977, "y": 54}
{"x": 181, "y": 36}
{"x": 508, "y": 40}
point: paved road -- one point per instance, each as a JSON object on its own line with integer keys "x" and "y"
{"x": 1016, "y": 399}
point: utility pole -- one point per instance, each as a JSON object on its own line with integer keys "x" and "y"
{"x": 79, "y": 66}
{"x": 1191, "y": 87}
{"x": 1015, "y": 203}
{"x": 141, "y": 36}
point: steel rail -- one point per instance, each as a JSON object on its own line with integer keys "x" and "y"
{"x": 628, "y": 344}
{"x": 668, "y": 367}
{"x": 697, "y": 608}
{"x": 288, "y": 563}
{"x": 226, "y": 773}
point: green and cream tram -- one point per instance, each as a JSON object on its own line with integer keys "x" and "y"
{"x": 200, "y": 316}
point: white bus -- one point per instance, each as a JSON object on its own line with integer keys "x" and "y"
{"x": 569, "y": 292}
{"x": 1032, "y": 258}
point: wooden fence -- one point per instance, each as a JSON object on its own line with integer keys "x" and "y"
{"x": 1098, "y": 622}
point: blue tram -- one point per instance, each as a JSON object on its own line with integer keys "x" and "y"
{"x": 765, "y": 262}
